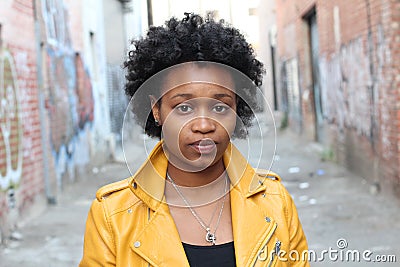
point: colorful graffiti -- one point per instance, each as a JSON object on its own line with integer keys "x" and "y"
{"x": 69, "y": 96}
{"x": 70, "y": 99}
{"x": 61, "y": 82}
{"x": 10, "y": 124}
{"x": 84, "y": 92}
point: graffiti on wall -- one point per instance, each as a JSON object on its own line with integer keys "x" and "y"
{"x": 85, "y": 93}
{"x": 354, "y": 91}
{"x": 10, "y": 123}
{"x": 345, "y": 80}
{"x": 69, "y": 95}
{"x": 59, "y": 100}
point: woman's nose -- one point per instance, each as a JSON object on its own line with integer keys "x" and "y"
{"x": 203, "y": 125}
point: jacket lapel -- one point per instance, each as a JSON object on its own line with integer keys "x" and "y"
{"x": 159, "y": 233}
{"x": 251, "y": 227}
{"x": 159, "y": 242}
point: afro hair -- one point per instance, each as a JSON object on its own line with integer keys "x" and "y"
{"x": 190, "y": 39}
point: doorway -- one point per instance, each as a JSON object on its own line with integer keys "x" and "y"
{"x": 311, "y": 19}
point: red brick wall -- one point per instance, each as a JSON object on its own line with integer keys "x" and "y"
{"x": 54, "y": 77}
{"x": 390, "y": 102}
{"x": 21, "y": 162}
{"x": 360, "y": 79}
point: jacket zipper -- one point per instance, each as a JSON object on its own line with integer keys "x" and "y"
{"x": 275, "y": 253}
{"x": 148, "y": 219}
{"x": 260, "y": 253}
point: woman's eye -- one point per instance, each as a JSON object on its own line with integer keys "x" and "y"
{"x": 184, "y": 108}
{"x": 220, "y": 108}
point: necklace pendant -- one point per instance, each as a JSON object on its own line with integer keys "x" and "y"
{"x": 210, "y": 237}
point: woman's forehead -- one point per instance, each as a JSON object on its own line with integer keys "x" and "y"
{"x": 200, "y": 74}
{"x": 199, "y": 90}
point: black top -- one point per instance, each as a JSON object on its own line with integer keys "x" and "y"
{"x": 209, "y": 256}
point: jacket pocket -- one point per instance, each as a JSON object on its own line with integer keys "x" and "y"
{"x": 268, "y": 255}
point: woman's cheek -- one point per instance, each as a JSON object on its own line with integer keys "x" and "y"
{"x": 229, "y": 124}
{"x": 172, "y": 131}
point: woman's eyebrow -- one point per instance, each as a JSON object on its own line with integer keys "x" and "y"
{"x": 186, "y": 96}
{"x": 219, "y": 96}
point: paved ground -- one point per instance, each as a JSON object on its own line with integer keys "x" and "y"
{"x": 333, "y": 204}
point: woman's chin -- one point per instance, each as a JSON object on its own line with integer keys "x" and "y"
{"x": 195, "y": 165}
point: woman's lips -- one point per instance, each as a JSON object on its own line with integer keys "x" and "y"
{"x": 204, "y": 146}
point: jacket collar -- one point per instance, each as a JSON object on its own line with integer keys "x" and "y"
{"x": 148, "y": 183}
{"x": 249, "y": 226}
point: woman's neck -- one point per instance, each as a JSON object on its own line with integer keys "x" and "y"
{"x": 192, "y": 179}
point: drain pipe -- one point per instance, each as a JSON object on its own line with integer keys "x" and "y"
{"x": 370, "y": 45}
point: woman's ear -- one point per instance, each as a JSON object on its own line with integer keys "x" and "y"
{"x": 155, "y": 108}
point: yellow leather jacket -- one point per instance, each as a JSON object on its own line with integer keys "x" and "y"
{"x": 129, "y": 223}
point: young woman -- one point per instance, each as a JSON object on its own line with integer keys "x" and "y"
{"x": 195, "y": 201}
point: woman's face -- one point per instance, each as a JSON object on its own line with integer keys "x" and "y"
{"x": 197, "y": 118}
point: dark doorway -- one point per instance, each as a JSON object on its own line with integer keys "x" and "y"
{"x": 311, "y": 20}
{"x": 273, "y": 73}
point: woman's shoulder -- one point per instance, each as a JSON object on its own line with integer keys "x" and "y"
{"x": 117, "y": 195}
{"x": 264, "y": 173}
{"x": 111, "y": 188}
{"x": 272, "y": 183}
{"x": 275, "y": 190}
{"x": 270, "y": 179}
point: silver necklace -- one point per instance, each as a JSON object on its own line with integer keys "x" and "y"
{"x": 210, "y": 237}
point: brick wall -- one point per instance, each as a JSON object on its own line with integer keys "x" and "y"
{"x": 47, "y": 101}
{"x": 390, "y": 101}
{"x": 358, "y": 42}
{"x": 21, "y": 169}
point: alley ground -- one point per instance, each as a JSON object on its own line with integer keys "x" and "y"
{"x": 337, "y": 209}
